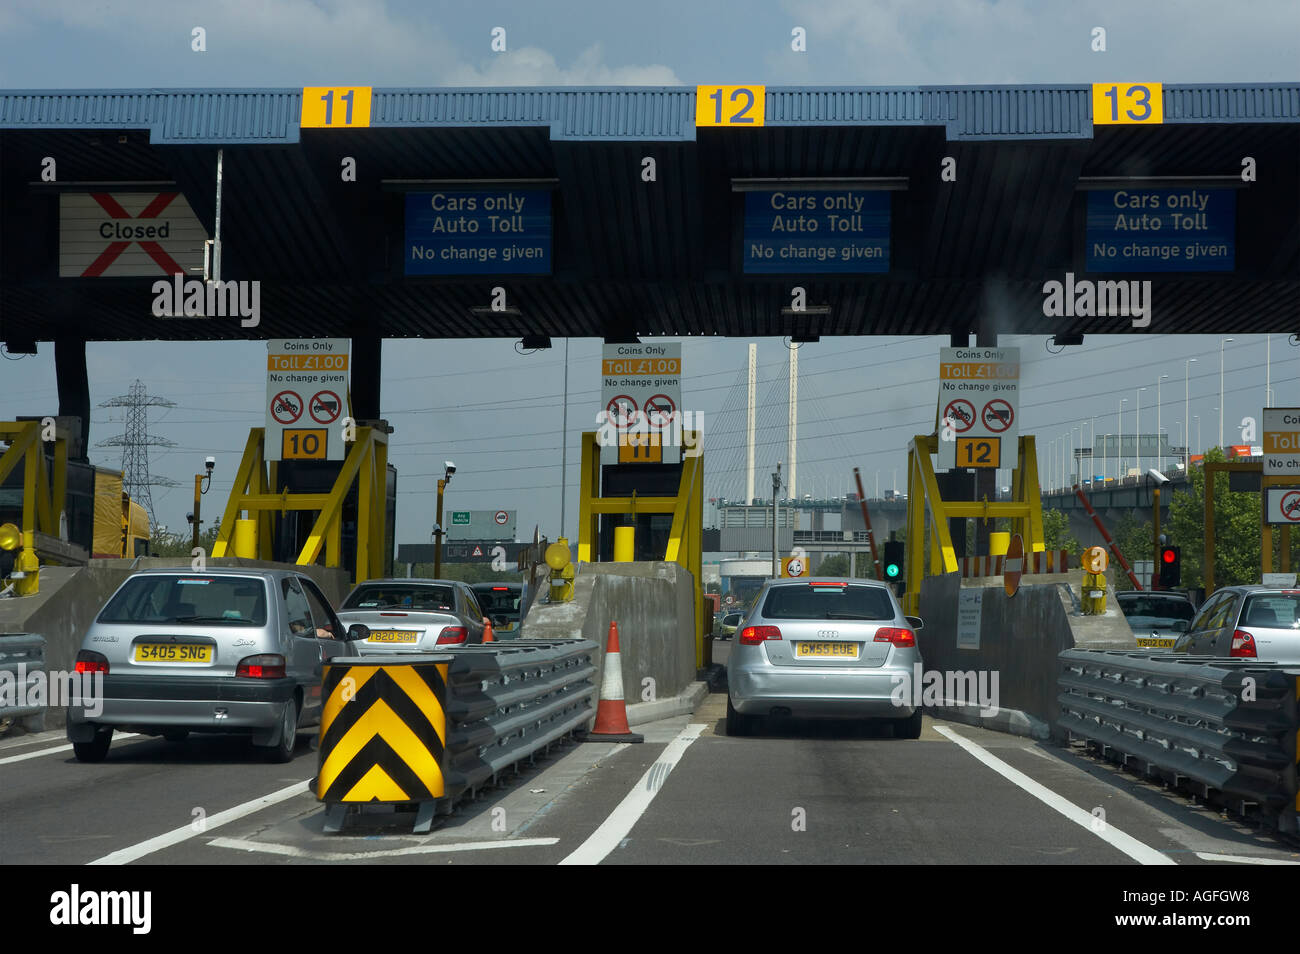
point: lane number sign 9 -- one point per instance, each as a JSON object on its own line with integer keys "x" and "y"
{"x": 1128, "y": 103}
{"x": 730, "y": 105}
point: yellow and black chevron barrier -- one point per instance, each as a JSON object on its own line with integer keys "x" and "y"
{"x": 383, "y": 734}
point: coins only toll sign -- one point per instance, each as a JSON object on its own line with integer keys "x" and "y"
{"x": 980, "y": 407}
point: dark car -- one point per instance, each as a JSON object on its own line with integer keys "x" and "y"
{"x": 501, "y": 602}
{"x": 1156, "y": 618}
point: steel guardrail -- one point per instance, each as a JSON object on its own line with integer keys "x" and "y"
{"x": 464, "y": 715}
{"x": 1225, "y": 728}
{"x": 22, "y": 659}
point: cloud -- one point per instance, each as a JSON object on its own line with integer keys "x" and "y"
{"x": 532, "y": 66}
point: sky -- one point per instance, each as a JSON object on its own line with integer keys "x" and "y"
{"x": 497, "y": 413}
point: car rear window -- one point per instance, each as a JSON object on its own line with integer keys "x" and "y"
{"x": 401, "y": 596}
{"x": 498, "y": 602}
{"x": 827, "y": 602}
{"x": 228, "y": 600}
{"x": 1154, "y": 608}
{"x": 1277, "y": 610}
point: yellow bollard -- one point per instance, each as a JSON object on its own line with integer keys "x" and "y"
{"x": 245, "y": 542}
{"x": 999, "y": 542}
{"x": 1093, "y": 597}
{"x": 624, "y": 544}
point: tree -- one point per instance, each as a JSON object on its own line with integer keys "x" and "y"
{"x": 1056, "y": 532}
{"x": 1237, "y": 543}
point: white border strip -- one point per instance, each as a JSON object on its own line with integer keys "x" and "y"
{"x": 241, "y": 844}
{"x": 57, "y": 749}
{"x": 620, "y": 821}
{"x": 1243, "y": 859}
{"x": 136, "y": 852}
{"x": 1139, "y": 852}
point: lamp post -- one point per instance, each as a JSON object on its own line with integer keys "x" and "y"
{"x": 1075, "y": 453}
{"x": 1159, "y": 443}
{"x": 1187, "y": 451}
{"x": 1197, "y": 418}
{"x": 1137, "y": 433}
{"x": 449, "y": 470}
{"x": 1268, "y": 371}
{"x": 1221, "y": 404}
{"x": 1119, "y": 467}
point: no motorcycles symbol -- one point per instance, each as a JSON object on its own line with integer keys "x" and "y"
{"x": 286, "y": 407}
{"x": 621, "y": 411}
{"x": 325, "y": 407}
{"x": 1291, "y": 506}
{"x": 659, "y": 410}
{"x": 962, "y": 414}
{"x": 998, "y": 415}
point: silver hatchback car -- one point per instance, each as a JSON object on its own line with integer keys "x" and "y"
{"x": 225, "y": 650}
{"x": 829, "y": 648}
{"x": 1246, "y": 622}
{"x": 413, "y": 615}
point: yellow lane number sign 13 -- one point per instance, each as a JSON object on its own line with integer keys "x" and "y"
{"x": 1125, "y": 103}
{"x": 730, "y": 105}
{"x": 335, "y": 107}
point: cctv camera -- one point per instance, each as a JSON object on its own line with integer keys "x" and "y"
{"x": 451, "y": 468}
{"x": 209, "y": 462}
{"x": 1159, "y": 477}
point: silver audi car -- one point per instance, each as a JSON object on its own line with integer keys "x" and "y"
{"x": 413, "y": 614}
{"x": 824, "y": 648}
{"x": 224, "y": 650}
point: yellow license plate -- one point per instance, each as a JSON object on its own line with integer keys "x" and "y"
{"x": 394, "y": 636}
{"x": 172, "y": 652}
{"x": 848, "y": 650}
{"x": 1157, "y": 643}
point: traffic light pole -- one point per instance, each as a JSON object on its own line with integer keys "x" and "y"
{"x": 1155, "y": 540}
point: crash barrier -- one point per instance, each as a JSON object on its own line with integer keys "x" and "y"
{"x": 424, "y": 730}
{"x": 1222, "y": 728}
{"x": 22, "y": 674}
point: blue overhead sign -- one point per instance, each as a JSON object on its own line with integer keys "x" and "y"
{"x": 1162, "y": 230}
{"x": 478, "y": 232}
{"x": 844, "y": 231}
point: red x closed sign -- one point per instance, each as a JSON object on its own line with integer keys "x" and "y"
{"x": 128, "y": 234}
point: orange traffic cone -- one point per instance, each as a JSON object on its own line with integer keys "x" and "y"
{"x": 488, "y": 637}
{"x": 611, "y": 713}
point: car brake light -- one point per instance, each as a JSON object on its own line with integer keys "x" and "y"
{"x": 261, "y": 666}
{"x": 753, "y": 635}
{"x": 392, "y": 614}
{"x": 1243, "y": 645}
{"x": 500, "y": 589}
{"x": 453, "y": 634}
{"x": 902, "y": 638}
{"x": 90, "y": 661}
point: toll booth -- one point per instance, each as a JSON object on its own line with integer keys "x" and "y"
{"x": 652, "y": 529}
{"x": 318, "y": 477}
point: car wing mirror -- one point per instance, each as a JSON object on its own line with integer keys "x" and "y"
{"x": 915, "y": 622}
{"x": 1180, "y": 626}
{"x": 357, "y": 632}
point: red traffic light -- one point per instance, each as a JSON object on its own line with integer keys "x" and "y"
{"x": 1167, "y": 555}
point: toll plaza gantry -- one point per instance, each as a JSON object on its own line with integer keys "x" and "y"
{"x": 622, "y": 212}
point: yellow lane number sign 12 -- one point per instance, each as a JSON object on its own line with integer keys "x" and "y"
{"x": 335, "y": 107}
{"x": 730, "y": 105}
{"x": 1116, "y": 104}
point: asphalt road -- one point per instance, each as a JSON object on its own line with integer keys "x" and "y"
{"x": 802, "y": 792}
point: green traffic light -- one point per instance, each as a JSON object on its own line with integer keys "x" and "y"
{"x": 891, "y": 570}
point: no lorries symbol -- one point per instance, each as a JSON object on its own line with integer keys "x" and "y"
{"x": 1291, "y": 506}
{"x": 501, "y": 517}
{"x": 621, "y": 411}
{"x": 998, "y": 415}
{"x": 659, "y": 410}
{"x": 286, "y": 407}
{"x": 962, "y": 414}
{"x": 325, "y": 407}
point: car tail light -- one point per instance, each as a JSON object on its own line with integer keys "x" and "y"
{"x": 261, "y": 666}
{"x": 753, "y": 635}
{"x": 453, "y": 634}
{"x": 1243, "y": 645}
{"x": 901, "y": 638}
{"x": 90, "y": 661}
{"x": 392, "y": 614}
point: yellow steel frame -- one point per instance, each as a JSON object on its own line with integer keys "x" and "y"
{"x": 685, "y": 537}
{"x": 43, "y": 494}
{"x": 366, "y": 463}
{"x": 1024, "y": 510}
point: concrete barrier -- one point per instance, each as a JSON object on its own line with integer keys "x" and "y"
{"x": 654, "y": 606}
{"x": 71, "y": 597}
{"x": 1020, "y": 640}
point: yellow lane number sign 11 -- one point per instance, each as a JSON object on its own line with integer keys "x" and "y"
{"x": 335, "y": 107}
{"x": 730, "y": 105}
{"x": 1116, "y": 104}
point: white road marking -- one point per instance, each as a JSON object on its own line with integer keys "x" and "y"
{"x": 175, "y": 837}
{"x": 1243, "y": 859}
{"x": 57, "y": 749}
{"x": 1139, "y": 852}
{"x": 614, "y": 829}
{"x": 241, "y": 844}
